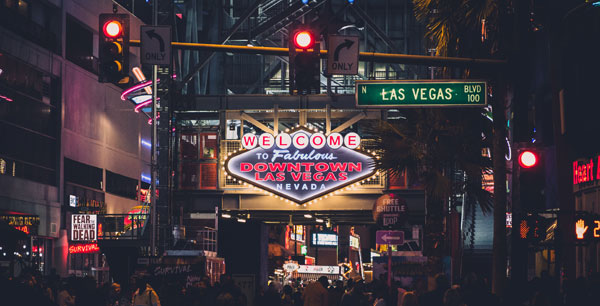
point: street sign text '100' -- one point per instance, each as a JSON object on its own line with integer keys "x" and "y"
{"x": 442, "y": 93}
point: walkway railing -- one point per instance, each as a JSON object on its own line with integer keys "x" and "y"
{"x": 122, "y": 226}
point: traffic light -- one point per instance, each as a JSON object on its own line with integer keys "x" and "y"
{"x": 113, "y": 34}
{"x": 587, "y": 227}
{"x": 532, "y": 228}
{"x": 528, "y": 159}
{"x": 532, "y": 180}
{"x": 305, "y": 61}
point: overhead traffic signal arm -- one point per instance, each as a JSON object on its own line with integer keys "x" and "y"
{"x": 436, "y": 61}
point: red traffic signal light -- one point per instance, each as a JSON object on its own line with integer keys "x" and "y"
{"x": 304, "y": 39}
{"x": 528, "y": 159}
{"x": 113, "y": 48}
{"x": 112, "y": 28}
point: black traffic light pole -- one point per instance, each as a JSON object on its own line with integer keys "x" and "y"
{"x": 153, "y": 164}
{"x": 518, "y": 250}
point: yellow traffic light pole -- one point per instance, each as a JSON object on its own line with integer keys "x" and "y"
{"x": 363, "y": 56}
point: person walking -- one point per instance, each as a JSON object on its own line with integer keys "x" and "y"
{"x": 356, "y": 296}
{"x": 145, "y": 295}
{"x": 315, "y": 294}
{"x": 65, "y": 296}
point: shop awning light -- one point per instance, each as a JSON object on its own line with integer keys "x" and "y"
{"x": 319, "y": 220}
{"x": 226, "y": 216}
{"x": 307, "y": 216}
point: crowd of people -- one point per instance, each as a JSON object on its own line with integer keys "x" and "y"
{"x": 33, "y": 289}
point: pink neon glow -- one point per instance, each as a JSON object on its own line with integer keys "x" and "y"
{"x": 150, "y": 119}
{"x": 134, "y": 88}
{"x": 141, "y": 105}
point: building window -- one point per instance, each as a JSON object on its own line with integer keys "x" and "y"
{"x": 188, "y": 142}
{"x": 208, "y": 142}
{"x": 397, "y": 180}
{"x": 82, "y": 174}
{"x": 121, "y": 185}
{"x": 80, "y": 45}
{"x": 36, "y": 21}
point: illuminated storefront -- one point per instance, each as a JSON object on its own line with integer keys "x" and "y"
{"x": 85, "y": 256}
{"x": 25, "y": 246}
{"x": 307, "y": 176}
{"x": 586, "y": 224}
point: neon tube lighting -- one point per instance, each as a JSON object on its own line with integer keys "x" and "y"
{"x": 145, "y": 103}
{"x": 139, "y": 75}
{"x": 146, "y": 143}
{"x": 134, "y": 88}
{"x": 141, "y": 105}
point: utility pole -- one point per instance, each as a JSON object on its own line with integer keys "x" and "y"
{"x": 153, "y": 164}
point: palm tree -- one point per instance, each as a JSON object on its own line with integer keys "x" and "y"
{"x": 434, "y": 145}
{"x": 471, "y": 28}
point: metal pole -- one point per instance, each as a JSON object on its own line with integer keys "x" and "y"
{"x": 153, "y": 163}
{"x": 389, "y": 276}
{"x": 438, "y": 61}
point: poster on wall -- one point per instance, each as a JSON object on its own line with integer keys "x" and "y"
{"x": 301, "y": 166}
{"x": 83, "y": 227}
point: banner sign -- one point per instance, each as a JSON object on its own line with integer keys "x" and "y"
{"x": 83, "y": 227}
{"x": 21, "y": 220}
{"x": 324, "y": 239}
{"x": 354, "y": 242}
{"x": 300, "y": 166}
{"x": 319, "y": 269}
{"x": 25, "y": 223}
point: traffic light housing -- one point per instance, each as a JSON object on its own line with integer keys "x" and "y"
{"x": 586, "y": 227}
{"x": 532, "y": 228}
{"x": 113, "y": 45}
{"x": 304, "y": 61}
{"x": 532, "y": 179}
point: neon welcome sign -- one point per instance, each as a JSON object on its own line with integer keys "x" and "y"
{"x": 300, "y": 166}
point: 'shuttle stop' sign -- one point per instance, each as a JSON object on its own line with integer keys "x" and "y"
{"x": 302, "y": 165}
{"x": 390, "y": 210}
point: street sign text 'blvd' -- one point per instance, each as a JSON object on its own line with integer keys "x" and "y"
{"x": 435, "y": 93}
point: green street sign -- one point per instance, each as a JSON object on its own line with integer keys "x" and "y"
{"x": 435, "y": 93}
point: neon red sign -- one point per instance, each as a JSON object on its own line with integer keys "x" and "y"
{"x": 23, "y": 228}
{"x": 84, "y": 248}
{"x": 584, "y": 171}
{"x": 300, "y": 166}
